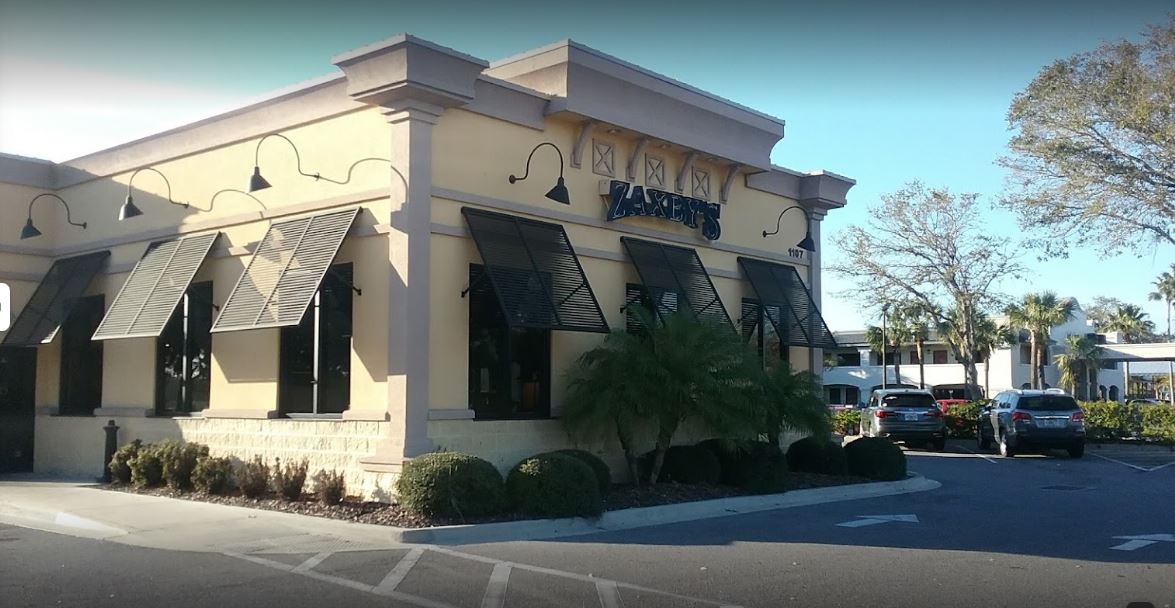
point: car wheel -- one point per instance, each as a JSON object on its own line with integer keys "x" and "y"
{"x": 864, "y": 433}
{"x": 939, "y": 444}
{"x": 1006, "y": 449}
{"x": 1077, "y": 451}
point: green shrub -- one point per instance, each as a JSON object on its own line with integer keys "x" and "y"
{"x": 120, "y": 463}
{"x": 330, "y": 487}
{"x": 877, "y": 458}
{"x": 685, "y": 464}
{"x": 213, "y": 475}
{"x": 1158, "y": 422}
{"x": 1109, "y": 420}
{"x": 253, "y": 478}
{"x": 816, "y": 455}
{"x": 147, "y": 467}
{"x": 846, "y": 422}
{"x": 554, "y": 485}
{"x": 960, "y": 419}
{"x": 599, "y": 467}
{"x": 755, "y": 466}
{"x": 179, "y": 460}
{"x": 452, "y": 484}
{"x": 290, "y": 478}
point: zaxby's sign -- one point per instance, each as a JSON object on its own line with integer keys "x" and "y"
{"x": 627, "y": 200}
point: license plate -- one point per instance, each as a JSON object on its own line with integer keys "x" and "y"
{"x": 912, "y": 417}
{"x": 1050, "y": 424}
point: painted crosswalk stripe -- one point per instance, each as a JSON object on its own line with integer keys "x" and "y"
{"x": 609, "y": 594}
{"x": 311, "y": 563}
{"x": 396, "y": 576}
{"x": 495, "y": 595}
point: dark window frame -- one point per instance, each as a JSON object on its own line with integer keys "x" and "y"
{"x": 74, "y": 368}
{"x": 490, "y": 336}
{"x": 192, "y": 341}
{"x": 327, "y": 398}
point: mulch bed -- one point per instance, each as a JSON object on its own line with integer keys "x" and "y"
{"x": 381, "y": 513}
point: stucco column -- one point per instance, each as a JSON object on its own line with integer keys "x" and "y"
{"x": 816, "y": 355}
{"x": 412, "y": 82}
{"x": 410, "y": 267}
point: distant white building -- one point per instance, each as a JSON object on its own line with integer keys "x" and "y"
{"x": 854, "y": 369}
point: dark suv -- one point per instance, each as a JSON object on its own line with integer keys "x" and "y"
{"x": 1024, "y": 420}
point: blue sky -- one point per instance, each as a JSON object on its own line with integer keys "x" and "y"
{"x": 881, "y": 92}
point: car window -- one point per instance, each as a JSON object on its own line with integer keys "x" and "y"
{"x": 1047, "y": 402}
{"x": 914, "y": 400}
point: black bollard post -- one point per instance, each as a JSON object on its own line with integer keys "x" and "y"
{"x": 108, "y": 454}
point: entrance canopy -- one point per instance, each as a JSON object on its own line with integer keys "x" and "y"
{"x": 1117, "y": 353}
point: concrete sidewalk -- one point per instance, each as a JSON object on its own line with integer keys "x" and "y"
{"x": 87, "y": 510}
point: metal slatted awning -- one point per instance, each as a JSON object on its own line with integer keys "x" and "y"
{"x": 535, "y": 273}
{"x": 787, "y": 303}
{"x": 150, "y": 295}
{"x": 285, "y": 272}
{"x": 675, "y": 279}
{"x": 53, "y": 299}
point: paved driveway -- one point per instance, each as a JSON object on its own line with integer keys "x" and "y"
{"x": 1029, "y": 531}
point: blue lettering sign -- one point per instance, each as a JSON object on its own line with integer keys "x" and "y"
{"x": 627, "y": 200}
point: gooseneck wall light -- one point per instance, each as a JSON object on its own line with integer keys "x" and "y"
{"x": 807, "y": 244}
{"x": 30, "y": 231}
{"x": 129, "y": 209}
{"x": 258, "y": 182}
{"x": 559, "y": 193}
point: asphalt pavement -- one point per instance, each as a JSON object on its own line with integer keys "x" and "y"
{"x": 1028, "y": 531}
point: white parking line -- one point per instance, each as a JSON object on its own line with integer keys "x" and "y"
{"x": 1133, "y": 466}
{"x": 495, "y": 595}
{"x": 970, "y": 451}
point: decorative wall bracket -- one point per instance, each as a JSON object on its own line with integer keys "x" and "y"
{"x": 731, "y": 173}
{"x": 581, "y": 141}
{"x": 634, "y": 160}
{"x": 687, "y": 167}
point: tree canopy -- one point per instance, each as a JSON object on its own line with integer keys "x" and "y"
{"x": 1092, "y": 160}
{"x": 931, "y": 247}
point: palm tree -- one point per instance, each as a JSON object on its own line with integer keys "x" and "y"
{"x": 680, "y": 369}
{"x": 1079, "y": 364}
{"x": 990, "y": 337}
{"x": 791, "y": 401}
{"x": 1165, "y": 291}
{"x": 899, "y": 331}
{"x": 1130, "y": 321}
{"x": 1039, "y": 313}
{"x": 918, "y": 320}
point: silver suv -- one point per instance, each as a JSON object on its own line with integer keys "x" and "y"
{"x": 1022, "y": 420}
{"x": 904, "y": 414}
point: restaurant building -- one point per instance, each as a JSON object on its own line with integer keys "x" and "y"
{"x": 404, "y": 256}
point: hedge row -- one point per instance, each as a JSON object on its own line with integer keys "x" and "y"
{"x": 1108, "y": 421}
{"x": 188, "y": 466}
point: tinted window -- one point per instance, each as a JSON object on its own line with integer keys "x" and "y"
{"x": 914, "y": 400}
{"x": 1046, "y": 402}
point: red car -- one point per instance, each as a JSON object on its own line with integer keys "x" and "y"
{"x": 943, "y": 404}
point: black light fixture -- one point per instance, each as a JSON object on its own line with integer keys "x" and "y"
{"x": 258, "y": 182}
{"x": 129, "y": 209}
{"x": 30, "y": 231}
{"x": 558, "y": 193}
{"x": 807, "y": 244}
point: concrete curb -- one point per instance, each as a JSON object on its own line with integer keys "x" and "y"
{"x": 642, "y": 517}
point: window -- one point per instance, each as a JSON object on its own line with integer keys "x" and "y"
{"x": 509, "y": 369}
{"x": 637, "y": 296}
{"x": 909, "y": 400}
{"x": 940, "y": 357}
{"x": 758, "y": 329}
{"x": 914, "y": 357}
{"x": 81, "y": 358}
{"x": 1026, "y": 354}
{"x": 834, "y": 395}
{"x": 849, "y": 359}
{"x": 315, "y": 368}
{"x": 183, "y": 354}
